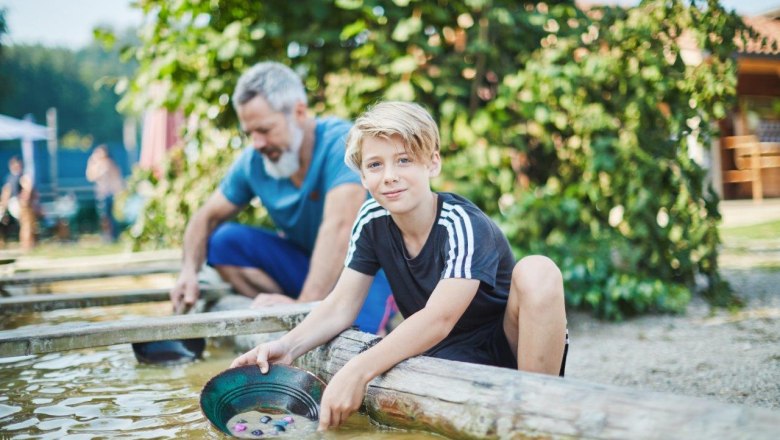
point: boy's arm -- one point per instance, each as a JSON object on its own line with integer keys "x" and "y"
{"x": 413, "y": 336}
{"x": 333, "y": 315}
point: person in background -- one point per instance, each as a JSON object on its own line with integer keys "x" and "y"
{"x": 451, "y": 269}
{"x": 18, "y": 201}
{"x": 105, "y": 174}
{"x": 295, "y": 166}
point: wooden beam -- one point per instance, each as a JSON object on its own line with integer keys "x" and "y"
{"x": 44, "y": 278}
{"x": 119, "y": 260}
{"x": 47, "y": 339}
{"x": 57, "y": 301}
{"x": 461, "y": 400}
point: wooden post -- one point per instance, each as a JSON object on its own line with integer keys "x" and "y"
{"x": 51, "y": 125}
{"x": 47, "y": 339}
{"x": 461, "y": 400}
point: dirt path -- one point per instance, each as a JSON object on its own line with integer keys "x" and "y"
{"x": 730, "y": 357}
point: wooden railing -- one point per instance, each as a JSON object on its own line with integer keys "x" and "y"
{"x": 750, "y": 157}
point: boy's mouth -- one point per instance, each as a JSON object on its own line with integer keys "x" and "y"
{"x": 393, "y": 194}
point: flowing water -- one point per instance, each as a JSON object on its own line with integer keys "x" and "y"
{"x": 104, "y": 393}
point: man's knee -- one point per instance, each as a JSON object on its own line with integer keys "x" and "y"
{"x": 538, "y": 280}
{"x": 225, "y": 234}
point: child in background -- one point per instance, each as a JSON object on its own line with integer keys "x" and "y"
{"x": 450, "y": 268}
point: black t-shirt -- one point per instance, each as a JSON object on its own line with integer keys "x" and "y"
{"x": 464, "y": 243}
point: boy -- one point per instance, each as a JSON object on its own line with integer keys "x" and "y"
{"x": 450, "y": 268}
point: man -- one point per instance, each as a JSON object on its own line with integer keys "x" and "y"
{"x": 103, "y": 171}
{"x": 296, "y": 167}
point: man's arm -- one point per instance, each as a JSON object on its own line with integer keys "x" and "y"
{"x": 342, "y": 204}
{"x": 413, "y": 336}
{"x": 216, "y": 210}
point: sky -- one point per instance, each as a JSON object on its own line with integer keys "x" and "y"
{"x": 64, "y": 23}
{"x": 69, "y": 23}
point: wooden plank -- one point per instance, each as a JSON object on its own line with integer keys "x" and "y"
{"x": 57, "y": 301}
{"x": 461, "y": 400}
{"x": 43, "y": 278}
{"x": 46, "y": 339}
{"x": 118, "y": 260}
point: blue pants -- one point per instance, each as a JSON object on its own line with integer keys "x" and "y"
{"x": 233, "y": 244}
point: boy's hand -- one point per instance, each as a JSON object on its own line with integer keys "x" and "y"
{"x": 341, "y": 398}
{"x": 274, "y": 352}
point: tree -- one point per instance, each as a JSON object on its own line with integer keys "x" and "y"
{"x": 35, "y": 78}
{"x": 570, "y": 127}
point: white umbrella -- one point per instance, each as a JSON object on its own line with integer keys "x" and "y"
{"x": 12, "y": 128}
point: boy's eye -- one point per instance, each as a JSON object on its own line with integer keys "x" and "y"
{"x": 404, "y": 160}
{"x": 372, "y": 165}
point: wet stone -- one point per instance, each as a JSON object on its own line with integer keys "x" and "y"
{"x": 255, "y": 424}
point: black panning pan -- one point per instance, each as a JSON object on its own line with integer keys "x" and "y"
{"x": 169, "y": 351}
{"x": 283, "y": 390}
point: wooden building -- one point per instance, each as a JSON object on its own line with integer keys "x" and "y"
{"x": 746, "y": 161}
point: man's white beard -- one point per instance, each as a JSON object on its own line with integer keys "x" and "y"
{"x": 289, "y": 160}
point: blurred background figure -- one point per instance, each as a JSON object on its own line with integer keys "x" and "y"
{"x": 17, "y": 203}
{"x": 104, "y": 172}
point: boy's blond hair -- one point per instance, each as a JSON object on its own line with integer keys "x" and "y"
{"x": 412, "y": 123}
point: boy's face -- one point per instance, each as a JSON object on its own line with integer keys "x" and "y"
{"x": 393, "y": 177}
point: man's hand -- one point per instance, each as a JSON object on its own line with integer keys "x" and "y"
{"x": 270, "y": 299}
{"x": 274, "y": 352}
{"x": 185, "y": 292}
{"x": 341, "y": 398}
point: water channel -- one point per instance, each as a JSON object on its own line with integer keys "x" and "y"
{"x": 104, "y": 392}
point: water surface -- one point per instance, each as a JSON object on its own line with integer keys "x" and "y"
{"x": 104, "y": 393}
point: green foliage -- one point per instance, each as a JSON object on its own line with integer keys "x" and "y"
{"x": 553, "y": 120}
{"x": 604, "y": 118}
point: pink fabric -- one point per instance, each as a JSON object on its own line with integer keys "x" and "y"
{"x": 390, "y": 309}
{"x": 160, "y": 134}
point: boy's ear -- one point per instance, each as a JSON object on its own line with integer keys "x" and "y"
{"x": 434, "y": 167}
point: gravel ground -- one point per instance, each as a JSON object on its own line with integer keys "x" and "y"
{"x": 728, "y": 357}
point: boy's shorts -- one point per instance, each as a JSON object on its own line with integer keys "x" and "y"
{"x": 487, "y": 345}
{"x": 233, "y": 244}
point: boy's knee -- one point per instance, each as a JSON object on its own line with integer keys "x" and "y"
{"x": 538, "y": 279}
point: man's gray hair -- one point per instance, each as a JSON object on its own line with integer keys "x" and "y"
{"x": 279, "y": 85}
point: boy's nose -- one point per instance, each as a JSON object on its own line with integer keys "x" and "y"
{"x": 390, "y": 175}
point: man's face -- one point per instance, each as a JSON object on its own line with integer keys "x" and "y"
{"x": 275, "y": 135}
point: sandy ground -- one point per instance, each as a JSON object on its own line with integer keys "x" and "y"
{"x": 726, "y": 356}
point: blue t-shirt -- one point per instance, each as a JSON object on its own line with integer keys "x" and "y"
{"x": 297, "y": 212}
